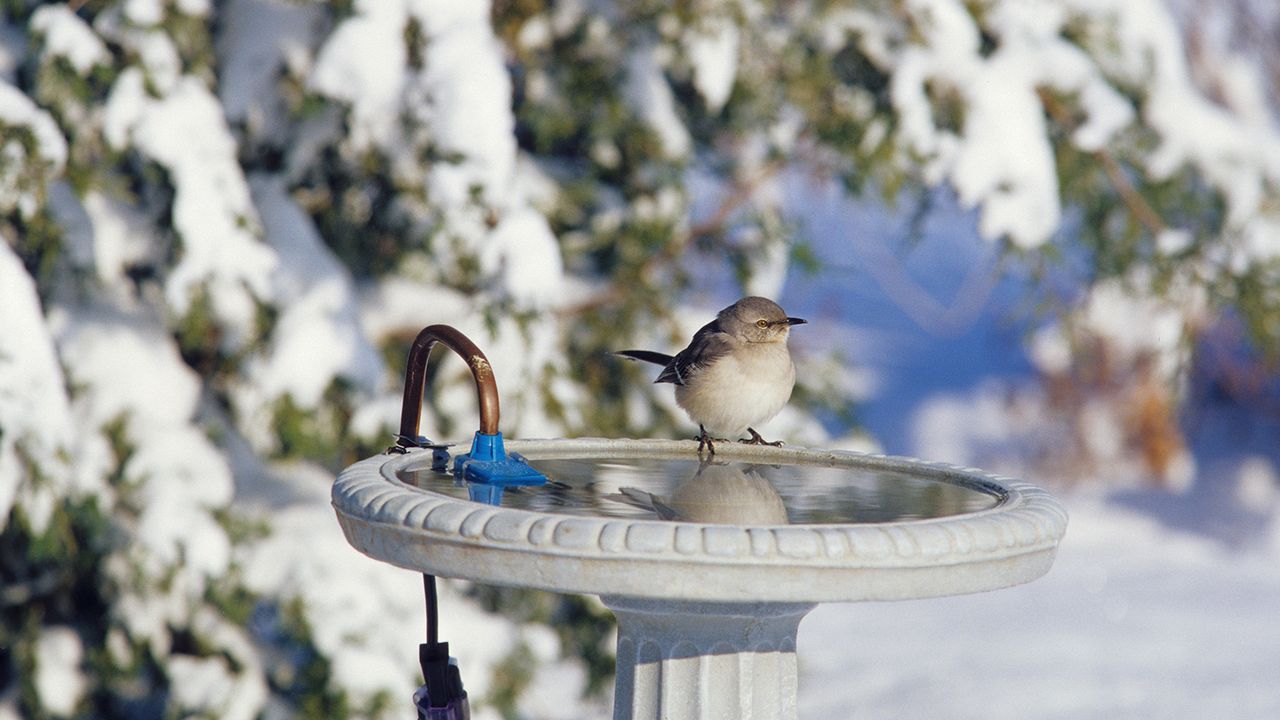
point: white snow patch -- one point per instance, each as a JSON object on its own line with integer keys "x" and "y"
{"x": 1173, "y": 241}
{"x": 712, "y": 46}
{"x": 1134, "y": 620}
{"x": 194, "y": 8}
{"x": 458, "y": 105}
{"x": 557, "y": 689}
{"x": 144, "y": 13}
{"x": 259, "y": 40}
{"x": 397, "y": 304}
{"x": 379, "y": 419}
{"x": 144, "y": 617}
{"x": 521, "y": 355}
{"x": 318, "y": 336}
{"x": 651, "y": 99}
{"x": 199, "y": 683}
{"x": 65, "y": 35}
{"x": 157, "y": 55}
{"x": 1050, "y": 350}
{"x": 17, "y": 110}
{"x": 1135, "y": 325}
{"x": 185, "y": 477}
{"x": 769, "y": 266}
{"x": 464, "y": 93}
{"x": 130, "y": 370}
{"x": 59, "y": 680}
{"x": 231, "y": 687}
{"x": 212, "y": 211}
{"x": 1261, "y": 240}
{"x": 362, "y": 63}
{"x": 366, "y": 616}
{"x": 1005, "y": 163}
{"x": 960, "y": 429}
{"x": 1101, "y": 429}
{"x": 1236, "y": 149}
{"x": 35, "y": 413}
{"x": 1108, "y": 113}
{"x": 528, "y": 258}
{"x": 1000, "y": 160}
{"x": 1258, "y": 484}
{"x": 121, "y": 236}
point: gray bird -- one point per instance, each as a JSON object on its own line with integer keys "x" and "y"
{"x": 736, "y": 372}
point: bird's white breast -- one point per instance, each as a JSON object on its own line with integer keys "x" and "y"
{"x": 740, "y": 390}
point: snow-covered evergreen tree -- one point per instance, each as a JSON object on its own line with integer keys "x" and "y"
{"x": 224, "y": 222}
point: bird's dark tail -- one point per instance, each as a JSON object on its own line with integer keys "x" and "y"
{"x": 656, "y": 358}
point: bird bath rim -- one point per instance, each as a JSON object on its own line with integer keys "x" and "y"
{"x": 415, "y": 528}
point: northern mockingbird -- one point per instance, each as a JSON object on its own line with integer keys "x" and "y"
{"x": 735, "y": 373}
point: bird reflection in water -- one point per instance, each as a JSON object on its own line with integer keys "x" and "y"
{"x": 722, "y": 493}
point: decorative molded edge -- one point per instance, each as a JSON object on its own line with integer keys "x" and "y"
{"x": 1027, "y": 521}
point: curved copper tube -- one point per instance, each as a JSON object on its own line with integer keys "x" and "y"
{"x": 416, "y": 378}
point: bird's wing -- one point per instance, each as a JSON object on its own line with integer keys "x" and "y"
{"x": 644, "y": 501}
{"x": 656, "y": 358}
{"x": 708, "y": 344}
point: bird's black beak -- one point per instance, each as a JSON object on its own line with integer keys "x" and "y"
{"x": 796, "y": 321}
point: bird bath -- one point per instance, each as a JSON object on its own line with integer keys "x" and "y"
{"x": 708, "y": 566}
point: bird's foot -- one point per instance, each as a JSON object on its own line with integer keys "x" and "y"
{"x": 756, "y": 439}
{"x": 704, "y": 441}
{"x": 708, "y": 442}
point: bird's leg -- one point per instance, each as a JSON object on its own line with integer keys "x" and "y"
{"x": 756, "y": 439}
{"x": 704, "y": 440}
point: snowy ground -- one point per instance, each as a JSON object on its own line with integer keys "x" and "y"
{"x": 1135, "y": 620}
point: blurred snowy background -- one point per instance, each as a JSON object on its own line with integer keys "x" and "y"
{"x": 1040, "y": 237}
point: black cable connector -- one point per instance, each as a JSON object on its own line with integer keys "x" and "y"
{"x": 441, "y": 674}
{"x": 442, "y": 696}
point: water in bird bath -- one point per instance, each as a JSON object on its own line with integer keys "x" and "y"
{"x": 733, "y": 492}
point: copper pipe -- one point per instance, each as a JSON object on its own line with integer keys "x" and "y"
{"x": 416, "y": 378}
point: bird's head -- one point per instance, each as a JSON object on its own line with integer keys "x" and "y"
{"x": 757, "y": 320}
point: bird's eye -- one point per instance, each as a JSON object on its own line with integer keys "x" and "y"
{"x": 762, "y": 323}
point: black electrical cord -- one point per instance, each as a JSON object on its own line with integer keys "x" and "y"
{"x": 433, "y": 609}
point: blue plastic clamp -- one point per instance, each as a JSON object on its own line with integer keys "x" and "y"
{"x": 489, "y": 464}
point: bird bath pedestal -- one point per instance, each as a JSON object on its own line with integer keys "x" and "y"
{"x": 709, "y": 567}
